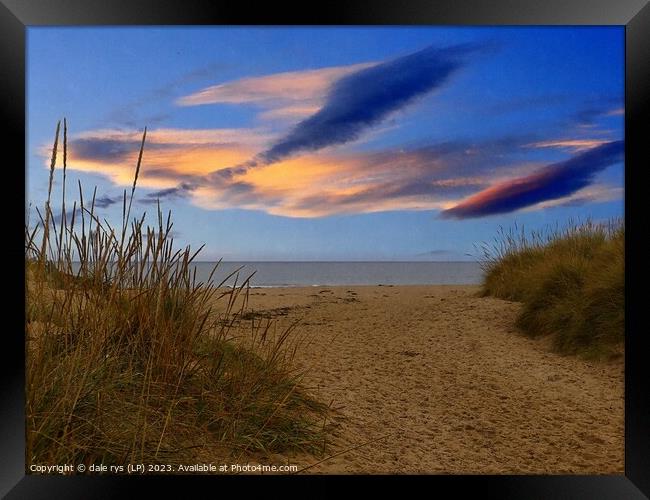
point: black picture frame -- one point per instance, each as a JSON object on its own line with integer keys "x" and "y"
{"x": 16, "y": 15}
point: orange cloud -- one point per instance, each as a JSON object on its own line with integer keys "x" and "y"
{"x": 324, "y": 184}
{"x": 201, "y": 166}
{"x": 287, "y": 96}
{"x": 313, "y": 185}
{"x": 309, "y": 85}
{"x": 170, "y": 154}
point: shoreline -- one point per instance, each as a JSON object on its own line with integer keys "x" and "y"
{"x": 390, "y": 285}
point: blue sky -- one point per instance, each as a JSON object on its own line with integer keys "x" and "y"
{"x": 404, "y": 143}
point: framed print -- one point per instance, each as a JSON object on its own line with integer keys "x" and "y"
{"x": 380, "y": 245}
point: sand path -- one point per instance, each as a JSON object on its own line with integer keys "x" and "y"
{"x": 436, "y": 380}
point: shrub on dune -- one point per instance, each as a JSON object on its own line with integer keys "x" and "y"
{"x": 571, "y": 283}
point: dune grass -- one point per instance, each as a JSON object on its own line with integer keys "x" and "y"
{"x": 571, "y": 282}
{"x": 129, "y": 358}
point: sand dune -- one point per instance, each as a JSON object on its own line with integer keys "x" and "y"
{"x": 433, "y": 379}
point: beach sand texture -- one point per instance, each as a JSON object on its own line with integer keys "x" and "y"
{"x": 434, "y": 379}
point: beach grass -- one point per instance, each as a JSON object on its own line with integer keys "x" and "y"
{"x": 129, "y": 359}
{"x": 571, "y": 282}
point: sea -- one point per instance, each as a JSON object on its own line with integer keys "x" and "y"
{"x": 287, "y": 274}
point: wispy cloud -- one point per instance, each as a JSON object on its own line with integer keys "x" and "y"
{"x": 326, "y": 184}
{"x": 553, "y": 182}
{"x": 181, "y": 191}
{"x": 305, "y": 86}
{"x": 570, "y": 144}
{"x": 364, "y": 98}
{"x": 432, "y": 253}
{"x": 172, "y": 155}
{"x": 135, "y": 111}
{"x": 107, "y": 201}
{"x": 338, "y": 104}
{"x": 296, "y": 171}
{"x": 180, "y": 164}
{"x": 180, "y": 136}
{"x": 594, "y": 110}
{"x": 290, "y": 112}
{"x": 591, "y": 194}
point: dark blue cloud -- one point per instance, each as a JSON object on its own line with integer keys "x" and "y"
{"x": 555, "y": 181}
{"x": 101, "y": 202}
{"x": 103, "y": 149}
{"x": 106, "y": 201}
{"x": 180, "y": 191}
{"x": 594, "y": 110}
{"x": 434, "y": 253}
{"x": 363, "y": 99}
{"x": 108, "y": 149}
{"x": 417, "y": 189}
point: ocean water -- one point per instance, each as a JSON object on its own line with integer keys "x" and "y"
{"x": 278, "y": 274}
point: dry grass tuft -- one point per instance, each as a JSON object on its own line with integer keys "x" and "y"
{"x": 571, "y": 281}
{"x": 129, "y": 358}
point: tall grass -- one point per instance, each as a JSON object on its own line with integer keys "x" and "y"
{"x": 129, "y": 357}
{"x": 571, "y": 282}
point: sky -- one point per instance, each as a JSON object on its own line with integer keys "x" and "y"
{"x": 334, "y": 143}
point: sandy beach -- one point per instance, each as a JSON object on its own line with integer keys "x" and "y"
{"x": 434, "y": 379}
